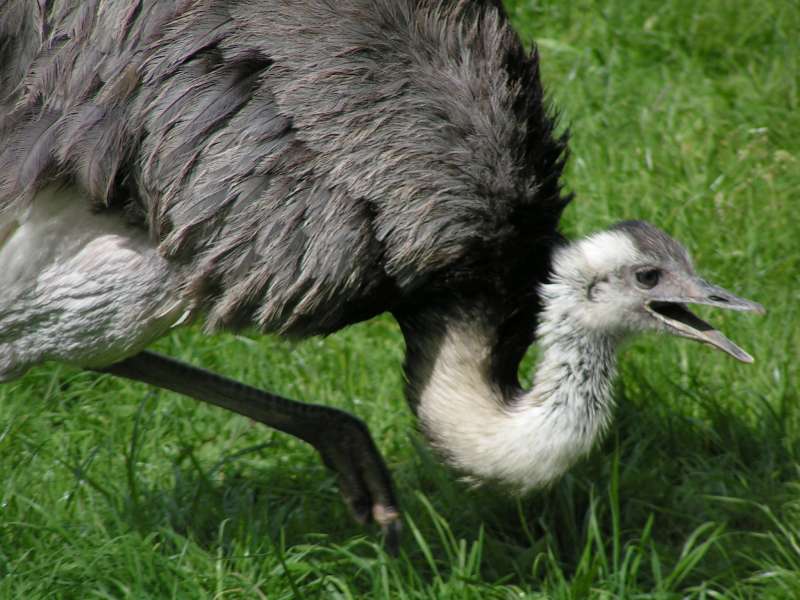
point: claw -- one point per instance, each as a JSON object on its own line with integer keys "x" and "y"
{"x": 391, "y": 526}
{"x": 385, "y": 515}
{"x": 364, "y": 480}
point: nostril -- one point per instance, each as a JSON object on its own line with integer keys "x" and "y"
{"x": 717, "y": 299}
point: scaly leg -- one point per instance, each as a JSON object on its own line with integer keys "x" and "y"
{"x": 343, "y": 440}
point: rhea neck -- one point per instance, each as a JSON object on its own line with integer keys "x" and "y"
{"x": 488, "y": 427}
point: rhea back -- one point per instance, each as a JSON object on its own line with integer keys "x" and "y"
{"x": 361, "y": 157}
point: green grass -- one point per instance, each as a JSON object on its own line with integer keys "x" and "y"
{"x": 682, "y": 113}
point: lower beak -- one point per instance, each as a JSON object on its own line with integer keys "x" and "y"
{"x": 674, "y": 313}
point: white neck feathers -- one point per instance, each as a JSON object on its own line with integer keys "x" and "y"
{"x": 524, "y": 439}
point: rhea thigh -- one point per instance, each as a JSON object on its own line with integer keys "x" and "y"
{"x": 79, "y": 286}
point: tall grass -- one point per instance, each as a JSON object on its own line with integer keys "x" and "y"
{"x": 681, "y": 113}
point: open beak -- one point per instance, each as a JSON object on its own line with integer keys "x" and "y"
{"x": 672, "y": 311}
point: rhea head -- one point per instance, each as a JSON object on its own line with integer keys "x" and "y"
{"x": 635, "y": 278}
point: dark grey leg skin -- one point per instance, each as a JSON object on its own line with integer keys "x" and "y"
{"x": 343, "y": 440}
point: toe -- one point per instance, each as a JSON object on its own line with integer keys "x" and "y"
{"x": 388, "y": 517}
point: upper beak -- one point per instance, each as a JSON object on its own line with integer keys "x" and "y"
{"x": 673, "y": 312}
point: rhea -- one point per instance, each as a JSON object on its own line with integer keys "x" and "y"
{"x": 298, "y": 166}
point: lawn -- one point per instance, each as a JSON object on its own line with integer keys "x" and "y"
{"x": 683, "y": 113}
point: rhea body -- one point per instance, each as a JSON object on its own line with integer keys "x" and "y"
{"x": 300, "y": 166}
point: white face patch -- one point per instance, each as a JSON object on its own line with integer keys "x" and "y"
{"x": 587, "y": 287}
{"x": 601, "y": 253}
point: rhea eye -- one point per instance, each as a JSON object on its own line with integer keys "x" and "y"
{"x": 648, "y": 278}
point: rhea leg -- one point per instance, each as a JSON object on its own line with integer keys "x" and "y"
{"x": 343, "y": 440}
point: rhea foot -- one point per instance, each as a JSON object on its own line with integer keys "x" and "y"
{"x": 364, "y": 481}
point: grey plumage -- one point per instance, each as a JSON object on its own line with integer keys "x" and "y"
{"x": 315, "y": 162}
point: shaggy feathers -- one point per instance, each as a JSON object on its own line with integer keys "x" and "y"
{"x": 301, "y": 158}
